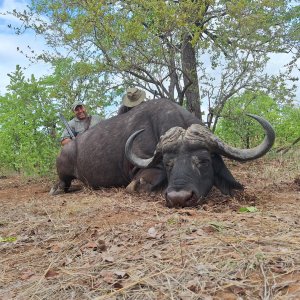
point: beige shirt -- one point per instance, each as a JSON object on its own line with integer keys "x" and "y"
{"x": 79, "y": 126}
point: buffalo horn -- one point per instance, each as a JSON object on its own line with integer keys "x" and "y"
{"x": 133, "y": 158}
{"x": 253, "y": 153}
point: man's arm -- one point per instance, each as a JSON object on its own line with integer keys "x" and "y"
{"x": 66, "y": 137}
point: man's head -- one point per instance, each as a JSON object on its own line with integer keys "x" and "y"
{"x": 79, "y": 110}
{"x": 133, "y": 97}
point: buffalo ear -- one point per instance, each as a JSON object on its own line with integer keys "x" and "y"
{"x": 223, "y": 178}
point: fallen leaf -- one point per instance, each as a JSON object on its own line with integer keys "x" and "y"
{"x": 121, "y": 274}
{"x": 8, "y": 239}
{"x": 109, "y": 279}
{"x": 107, "y": 258}
{"x": 67, "y": 261}
{"x": 192, "y": 285}
{"x": 105, "y": 273}
{"x": 279, "y": 269}
{"x": 91, "y": 245}
{"x": 51, "y": 273}
{"x": 95, "y": 234}
{"x": 152, "y": 232}
{"x": 237, "y": 290}
{"x": 156, "y": 254}
{"x": 108, "y": 276}
{"x": 27, "y": 274}
{"x": 209, "y": 229}
{"x": 250, "y": 209}
{"x": 101, "y": 245}
{"x": 56, "y": 248}
{"x": 117, "y": 285}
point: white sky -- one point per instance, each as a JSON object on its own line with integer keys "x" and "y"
{"x": 10, "y": 57}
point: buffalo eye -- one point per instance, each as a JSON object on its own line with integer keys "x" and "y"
{"x": 169, "y": 164}
{"x": 200, "y": 162}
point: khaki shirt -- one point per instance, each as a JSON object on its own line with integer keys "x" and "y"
{"x": 79, "y": 126}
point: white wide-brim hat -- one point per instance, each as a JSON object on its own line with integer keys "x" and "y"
{"x": 133, "y": 97}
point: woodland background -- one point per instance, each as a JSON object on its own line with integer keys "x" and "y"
{"x": 212, "y": 57}
{"x": 208, "y": 56}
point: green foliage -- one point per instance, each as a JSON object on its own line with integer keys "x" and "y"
{"x": 27, "y": 127}
{"x": 239, "y": 130}
{"x": 250, "y": 209}
{"x": 116, "y": 44}
{"x": 288, "y": 125}
{"x": 78, "y": 81}
{"x": 8, "y": 239}
{"x": 142, "y": 42}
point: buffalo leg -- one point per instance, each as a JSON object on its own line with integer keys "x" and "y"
{"x": 148, "y": 180}
{"x": 61, "y": 186}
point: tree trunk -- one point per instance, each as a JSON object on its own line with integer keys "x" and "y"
{"x": 190, "y": 77}
{"x": 173, "y": 74}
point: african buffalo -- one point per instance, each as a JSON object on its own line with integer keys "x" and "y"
{"x": 156, "y": 145}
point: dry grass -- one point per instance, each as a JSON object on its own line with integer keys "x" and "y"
{"x": 107, "y": 244}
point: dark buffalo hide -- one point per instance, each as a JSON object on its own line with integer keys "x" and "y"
{"x": 163, "y": 151}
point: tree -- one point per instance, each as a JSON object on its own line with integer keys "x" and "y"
{"x": 239, "y": 130}
{"x": 161, "y": 45}
{"x": 75, "y": 81}
{"x": 27, "y": 127}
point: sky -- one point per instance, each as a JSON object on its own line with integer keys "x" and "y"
{"x": 10, "y": 56}
{"x": 9, "y": 42}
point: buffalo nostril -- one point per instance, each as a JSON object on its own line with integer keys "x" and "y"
{"x": 178, "y": 198}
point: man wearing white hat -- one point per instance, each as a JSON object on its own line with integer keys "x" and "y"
{"x": 80, "y": 123}
{"x": 132, "y": 98}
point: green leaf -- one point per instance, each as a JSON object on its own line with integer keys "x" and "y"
{"x": 8, "y": 239}
{"x": 250, "y": 209}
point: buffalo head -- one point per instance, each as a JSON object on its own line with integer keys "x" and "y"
{"x": 193, "y": 163}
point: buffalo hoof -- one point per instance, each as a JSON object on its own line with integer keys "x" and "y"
{"x": 140, "y": 186}
{"x": 56, "y": 190}
{"x": 132, "y": 186}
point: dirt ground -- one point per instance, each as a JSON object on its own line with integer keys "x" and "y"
{"x": 108, "y": 244}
